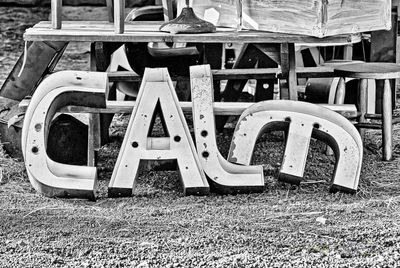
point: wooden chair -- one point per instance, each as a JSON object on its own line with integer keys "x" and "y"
{"x": 365, "y": 71}
{"x": 116, "y": 13}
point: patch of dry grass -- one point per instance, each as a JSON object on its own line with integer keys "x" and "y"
{"x": 285, "y": 226}
{"x": 11, "y": 169}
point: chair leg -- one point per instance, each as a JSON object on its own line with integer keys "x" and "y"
{"x": 339, "y": 99}
{"x": 387, "y": 122}
{"x": 363, "y": 100}
{"x": 94, "y": 139}
{"x": 340, "y": 91}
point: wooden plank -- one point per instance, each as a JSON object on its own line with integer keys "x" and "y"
{"x": 148, "y": 32}
{"x": 387, "y": 128}
{"x": 94, "y": 133}
{"x": 168, "y": 10}
{"x": 56, "y": 9}
{"x": 101, "y": 25}
{"x": 94, "y": 143}
{"x": 362, "y": 102}
{"x": 308, "y": 17}
{"x": 220, "y": 108}
{"x": 271, "y": 50}
{"x": 41, "y": 57}
{"x": 239, "y": 14}
{"x": 247, "y": 58}
{"x": 292, "y": 77}
{"x": 239, "y": 74}
{"x": 348, "y": 52}
{"x": 119, "y": 16}
{"x": 340, "y": 91}
{"x": 110, "y": 10}
{"x": 288, "y": 64}
{"x": 213, "y": 55}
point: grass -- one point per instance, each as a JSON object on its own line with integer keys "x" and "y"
{"x": 11, "y": 169}
{"x": 285, "y": 226}
{"x": 159, "y": 227}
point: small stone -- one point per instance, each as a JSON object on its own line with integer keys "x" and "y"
{"x": 321, "y": 220}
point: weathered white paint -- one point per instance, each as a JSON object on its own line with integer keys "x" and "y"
{"x": 157, "y": 88}
{"x": 303, "y": 119}
{"x": 225, "y": 176}
{"x": 46, "y": 176}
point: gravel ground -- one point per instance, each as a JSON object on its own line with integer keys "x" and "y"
{"x": 285, "y": 226}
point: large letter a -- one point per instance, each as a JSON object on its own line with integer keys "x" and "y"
{"x": 157, "y": 89}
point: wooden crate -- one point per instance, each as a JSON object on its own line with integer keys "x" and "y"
{"x": 307, "y": 17}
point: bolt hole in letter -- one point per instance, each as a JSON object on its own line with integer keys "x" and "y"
{"x": 157, "y": 89}
{"x": 56, "y": 91}
{"x": 306, "y": 120}
{"x": 157, "y": 93}
{"x": 223, "y": 176}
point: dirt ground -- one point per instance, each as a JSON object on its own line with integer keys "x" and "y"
{"x": 285, "y": 226}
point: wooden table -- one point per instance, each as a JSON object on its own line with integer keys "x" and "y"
{"x": 102, "y": 32}
{"x": 90, "y": 31}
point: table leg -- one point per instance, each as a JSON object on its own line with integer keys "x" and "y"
{"x": 383, "y": 49}
{"x": 100, "y": 60}
{"x": 270, "y": 60}
{"x": 387, "y": 121}
{"x": 363, "y": 100}
{"x": 213, "y": 56}
{"x": 340, "y": 91}
{"x": 288, "y": 65}
{"x": 248, "y": 58}
{"x": 262, "y": 92}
